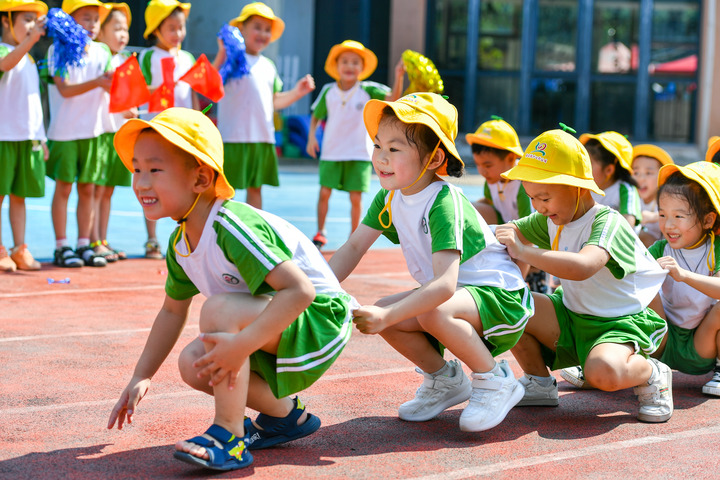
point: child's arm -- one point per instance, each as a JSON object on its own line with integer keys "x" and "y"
{"x": 649, "y": 217}
{"x": 707, "y": 285}
{"x": 165, "y": 331}
{"x": 630, "y": 219}
{"x": 312, "y": 144}
{"x": 346, "y": 258}
{"x": 221, "y": 55}
{"x": 284, "y": 99}
{"x": 398, "y": 84}
{"x": 9, "y": 61}
{"x": 446, "y": 264}
{"x": 104, "y": 81}
{"x": 568, "y": 265}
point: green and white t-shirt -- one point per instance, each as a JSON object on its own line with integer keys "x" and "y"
{"x": 438, "y": 218}
{"x": 20, "y": 100}
{"x": 623, "y": 197}
{"x": 239, "y": 247}
{"x": 628, "y": 282}
{"x": 684, "y": 305}
{"x": 151, "y": 66}
{"x": 344, "y": 136}
{"x": 246, "y": 112}
{"x": 512, "y": 202}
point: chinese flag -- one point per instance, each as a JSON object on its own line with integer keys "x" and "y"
{"x": 164, "y": 96}
{"x": 128, "y": 87}
{"x": 204, "y": 79}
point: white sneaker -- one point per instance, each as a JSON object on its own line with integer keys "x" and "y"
{"x": 491, "y": 400}
{"x": 713, "y": 386}
{"x": 575, "y": 376}
{"x": 538, "y": 395}
{"x": 436, "y": 394}
{"x": 656, "y": 401}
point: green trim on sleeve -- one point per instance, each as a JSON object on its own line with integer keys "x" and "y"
{"x": 658, "y": 248}
{"x": 523, "y": 202}
{"x": 630, "y": 202}
{"x": 488, "y": 195}
{"x": 377, "y": 91}
{"x": 178, "y": 285}
{"x": 146, "y": 65}
{"x": 611, "y": 232}
{"x": 319, "y": 106}
{"x": 534, "y": 228}
{"x": 371, "y": 217}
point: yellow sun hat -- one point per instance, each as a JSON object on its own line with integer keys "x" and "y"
{"x": 261, "y": 10}
{"x": 429, "y": 109}
{"x": 20, "y": 6}
{"x": 187, "y": 129}
{"x": 158, "y": 10}
{"x": 69, "y": 6}
{"x": 652, "y": 151}
{"x": 496, "y": 133}
{"x": 369, "y": 59}
{"x": 707, "y": 174}
{"x": 713, "y": 147}
{"x": 614, "y": 143}
{"x": 124, "y": 8}
{"x": 555, "y": 157}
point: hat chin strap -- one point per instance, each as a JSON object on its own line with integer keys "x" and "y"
{"x": 181, "y": 231}
{"x": 392, "y": 192}
{"x": 12, "y": 30}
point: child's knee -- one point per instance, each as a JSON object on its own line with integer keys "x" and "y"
{"x": 216, "y": 312}
{"x": 185, "y": 363}
{"x": 602, "y": 375}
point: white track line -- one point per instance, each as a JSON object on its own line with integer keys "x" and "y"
{"x": 82, "y": 290}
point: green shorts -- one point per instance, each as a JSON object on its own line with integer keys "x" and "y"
{"x": 308, "y": 347}
{"x": 580, "y": 333}
{"x": 251, "y": 165}
{"x": 348, "y": 176}
{"x": 22, "y": 169}
{"x": 116, "y": 173}
{"x": 81, "y": 161}
{"x": 681, "y": 355}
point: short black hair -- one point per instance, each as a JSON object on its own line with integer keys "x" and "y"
{"x": 599, "y": 153}
{"x": 478, "y": 148}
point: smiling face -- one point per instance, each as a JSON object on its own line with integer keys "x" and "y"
{"x": 171, "y": 32}
{"x": 678, "y": 222}
{"x": 490, "y": 165}
{"x": 645, "y": 173}
{"x": 88, "y": 17}
{"x": 560, "y": 203}
{"x": 350, "y": 66}
{"x": 114, "y": 32}
{"x": 257, "y": 32}
{"x": 23, "y": 22}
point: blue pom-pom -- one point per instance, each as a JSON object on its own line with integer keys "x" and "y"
{"x": 235, "y": 65}
{"x": 69, "y": 40}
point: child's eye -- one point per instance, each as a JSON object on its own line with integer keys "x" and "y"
{"x": 394, "y": 149}
{"x": 376, "y": 146}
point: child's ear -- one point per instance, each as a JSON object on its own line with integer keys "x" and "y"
{"x": 438, "y": 160}
{"x": 205, "y": 178}
{"x": 709, "y": 220}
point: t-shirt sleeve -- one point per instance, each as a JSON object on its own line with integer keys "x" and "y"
{"x": 488, "y": 195}
{"x": 319, "y": 106}
{"x": 446, "y": 222}
{"x": 146, "y": 65}
{"x": 3, "y": 53}
{"x": 658, "y": 248}
{"x": 108, "y": 58}
{"x": 523, "y": 203}
{"x": 277, "y": 81}
{"x": 376, "y": 90}
{"x": 534, "y": 228}
{"x": 611, "y": 232}
{"x": 716, "y": 247}
{"x": 177, "y": 286}
{"x": 371, "y": 217}
{"x": 630, "y": 202}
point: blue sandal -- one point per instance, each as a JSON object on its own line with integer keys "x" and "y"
{"x": 277, "y": 430}
{"x": 226, "y": 451}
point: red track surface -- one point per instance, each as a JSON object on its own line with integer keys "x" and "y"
{"x": 68, "y": 350}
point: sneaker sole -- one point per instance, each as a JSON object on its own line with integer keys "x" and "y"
{"x": 577, "y": 382}
{"x": 517, "y": 395}
{"x": 660, "y": 418}
{"x": 540, "y": 402}
{"x": 456, "y": 400}
{"x": 715, "y": 391}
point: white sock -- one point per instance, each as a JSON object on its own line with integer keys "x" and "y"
{"x": 83, "y": 242}
{"x": 655, "y": 375}
{"x": 446, "y": 370}
{"x": 496, "y": 370}
{"x": 544, "y": 381}
{"x": 61, "y": 242}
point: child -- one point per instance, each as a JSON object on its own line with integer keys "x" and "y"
{"x": 471, "y": 299}
{"x": 113, "y": 33}
{"x": 165, "y": 29}
{"x": 591, "y": 249}
{"x": 346, "y": 149}
{"x": 688, "y": 204}
{"x": 495, "y": 149}
{"x": 76, "y": 149}
{"x": 250, "y": 157}
{"x": 611, "y": 157}
{"x": 275, "y": 317}
{"x": 646, "y": 163}
{"x": 712, "y": 155}
{"x": 22, "y": 132}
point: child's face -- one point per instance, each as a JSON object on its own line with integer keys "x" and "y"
{"x": 23, "y": 22}
{"x": 396, "y": 161}
{"x": 603, "y": 174}
{"x": 114, "y": 32}
{"x": 349, "y": 65}
{"x": 559, "y": 203}
{"x": 163, "y": 177}
{"x": 171, "y": 31}
{"x": 88, "y": 17}
{"x": 645, "y": 173}
{"x": 491, "y": 166}
{"x": 256, "y": 31}
{"x": 678, "y": 223}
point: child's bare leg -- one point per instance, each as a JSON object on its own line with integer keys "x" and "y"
{"x": 355, "y": 209}
{"x": 322, "y": 207}
{"x": 17, "y": 218}
{"x": 254, "y": 197}
{"x": 541, "y": 329}
{"x": 59, "y": 208}
{"x": 614, "y": 366}
{"x": 85, "y": 209}
{"x": 707, "y": 335}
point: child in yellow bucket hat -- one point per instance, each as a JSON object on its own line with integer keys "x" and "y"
{"x": 22, "y": 131}
{"x": 472, "y": 299}
{"x": 611, "y": 157}
{"x": 689, "y": 206}
{"x": 275, "y": 318}
{"x": 346, "y": 148}
{"x": 592, "y": 249}
{"x": 646, "y": 163}
{"x": 250, "y": 155}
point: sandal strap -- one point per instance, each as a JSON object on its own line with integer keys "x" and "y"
{"x": 273, "y": 425}
{"x": 224, "y": 445}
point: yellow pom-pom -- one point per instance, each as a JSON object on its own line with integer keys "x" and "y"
{"x": 423, "y": 75}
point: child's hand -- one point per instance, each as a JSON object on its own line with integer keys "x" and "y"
{"x": 400, "y": 68}
{"x": 104, "y": 81}
{"x": 370, "y": 319}
{"x": 312, "y": 146}
{"x": 46, "y": 151}
{"x": 125, "y": 407}
{"x": 674, "y": 270}
{"x": 225, "y": 358}
{"x": 506, "y": 235}
{"x": 132, "y": 113}
{"x": 38, "y": 30}
{"x": 305, "y": 85}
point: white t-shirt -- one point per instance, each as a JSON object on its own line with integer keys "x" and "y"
{"x": 512, "y": 203}
{"x": 623, "y": 197}
{"x": 245, "y": 113}
{"x": 113, "y": 121}
{"x": 184, "y": 61}
{"x": 20, "y": 100}
{"x": 79, "y": 117}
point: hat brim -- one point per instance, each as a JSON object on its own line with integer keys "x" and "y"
{"x": 471, "y": 138}
{"x": 585, "y": 137}
{"x": 126, "y": 137}
{"x": 710, "y": 189}
{"x": 155, "y": 24}
{"x": 713, "y": 148}
{"x": 38, "y": 7}
{"x": 407, "y": 114}
{"x": 652, "y": 151}
{"x": 369, "y": 61}
{"x": 276, "y": 31}
{"x": 525, "y": 173}
{"x": 124, "y": 8}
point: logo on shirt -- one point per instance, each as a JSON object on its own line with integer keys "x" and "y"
{"x": 424, "y": 225}
{"x": 230, "y": 279}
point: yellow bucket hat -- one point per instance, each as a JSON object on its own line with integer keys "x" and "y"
{"x": 707, "y": 174}
{"x": 713, "y": 147}
{"x": 555, "y": 157}
{"x": 261, "y": 10}
{"x": 496, "y": 133}
{"x": 429, "y": 109}
{"x": 614, "y": 143}
{"x": 69, "y": 6}
{"x": 124, "y": 8}
{"x": 20, "y": 6}
{"x": 188, "y": 130}
{"x": 652, "y": 151}
{"x": 158, "y": 10}
{"x": 369, "y": 59}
